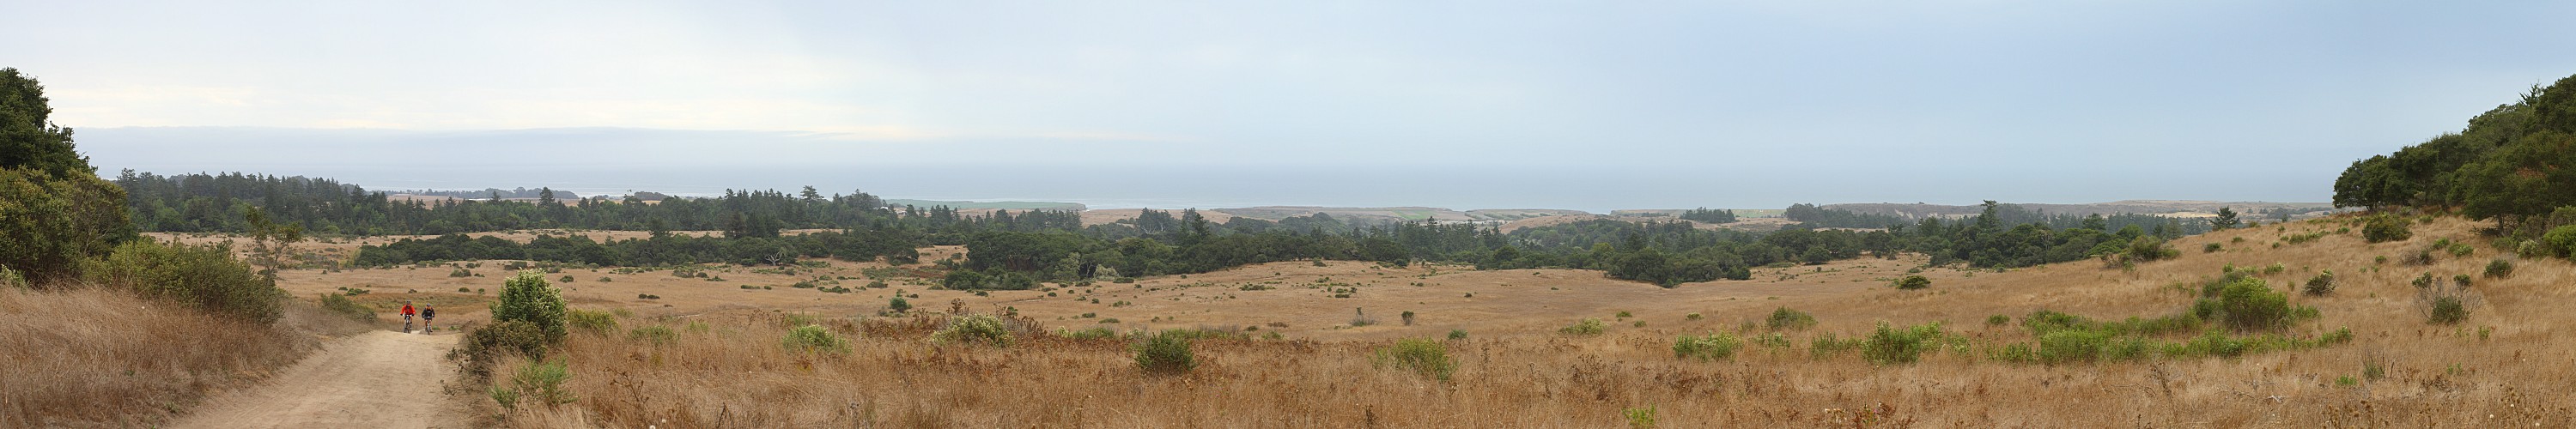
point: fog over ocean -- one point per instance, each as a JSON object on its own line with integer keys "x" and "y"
{"x": 619, "y": 161}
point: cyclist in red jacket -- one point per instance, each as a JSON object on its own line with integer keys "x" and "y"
{"x": 407, "y": 312}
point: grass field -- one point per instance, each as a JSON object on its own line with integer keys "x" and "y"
{"x": 724, "y": 366}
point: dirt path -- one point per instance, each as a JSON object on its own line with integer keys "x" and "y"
{"x": 376, "y": 380}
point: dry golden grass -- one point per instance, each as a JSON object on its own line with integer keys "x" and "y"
{"x": 91, "y": 357}
{"x": 2502, "y": 368}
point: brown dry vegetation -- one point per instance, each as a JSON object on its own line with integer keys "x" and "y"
{"x": 2501, "y": 368}
{"x": 92, "y": 357}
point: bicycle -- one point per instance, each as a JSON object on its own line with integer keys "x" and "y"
{"x": 406, "y": 323}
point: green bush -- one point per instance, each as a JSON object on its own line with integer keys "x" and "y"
{"x": 460, "y": 272}
{"x": 50, "y": 222}
{"x": 543, "y": 382}
{"x": 1585, "y": 327}
{"x": 2322, "y": 284}
{"x": 2448, "y": 310}
{"x": 2148, "y": 248}
{"x": 2561, "y": 241}
{"x": 598, "y": 322}
{"x": 653, "y": 334}
{"x": 528, "y": 298}
{"x": 898, "y": 305}
{"x": 2381, "y": 229}
{"x": 1787, "y": 319}
{"x": 1714, "y": 346}
{"x": 1457, "y": 334}
{"x": 2211, "y": 248}
{"x": 342, "y": 305}
{"x": 1827, "y": 345}
{"x": 815, "y": 338}
{"x": 2249, "y": 304}
{"x": 205, "y": 277}
{"x": 2073, "y": 345}
{"x": 2423, "y": 281}
{"x": 1913, "y": 282}
{"x": 485, "y": 345}
{"x": 2499, "y": 268}
{"x": 1998, "y": 320}
{"x": 974, "y": 329}
{"x": 1893, "y": 345}
{"x": 1420, "y": 356}
{"x": 1167, "y": 352}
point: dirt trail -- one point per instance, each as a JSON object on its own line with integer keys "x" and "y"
{"x": 376, "y": 380}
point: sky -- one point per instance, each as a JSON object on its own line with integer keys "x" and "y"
{"x": 1580, "y": 105}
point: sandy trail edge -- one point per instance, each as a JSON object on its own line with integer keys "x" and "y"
{"x": 376, "y": 380}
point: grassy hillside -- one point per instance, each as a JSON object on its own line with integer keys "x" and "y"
{"x": 1516, "y": 368}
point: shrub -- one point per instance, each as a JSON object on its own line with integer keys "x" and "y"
{"x": 1787, "y": 319}
{"x": 1420, "y": 356}
{"x": 1408, "y": 318}
{"x": 2499, "y": 268}
{"x": 2322, "y": 284}
{"x": 1166, "y": 353}
{"x": 205, "y": 277}
{"x": 1639, "y": 418}
{"x": 2148, "y": 248}
{"x": 2560, "y": 241}
{"x": 2381, "y": 229}
{"x": 1586, "y": 327}
{"x": 1998, "y": 320}
{"x": 565, "y": 279}
{"x": 460, "y": 272}
{"x": 486, "y": 345}
{"x": 974, "y": 329}
{"x": 1714, "y": 346}
{"x": 527, "y": 297}
{"x": 2423, "y": 281}
{"x": 342, "y": 305}
{"x": 1089, "y": 334}
{"x": 2448, "y": 310}
{"x": 543, "y": 382}
{"x": 1913, "y": 282}
{"x": 1827, "y": 345}
{"x": 1893, "y": 345}
{"x": 599, "y": 322}
{"x": 1692, "y": 316}
{"x": 2249, "y": 304}
{"x": 1457, "y": 334}
{"x": 654, "y": 334}
{"x": 2462, "y": 280}
{"x": 2211, "y": 248}
{"x": 2072, "y": 345}
{"x": 898, "y": 305}
{"x": 815, "y": 338}
{"x": 2462, "y": 249}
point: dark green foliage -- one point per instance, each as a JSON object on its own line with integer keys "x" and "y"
{"x": 2226, "y": 219}
{"x": 527, "y": 298}
{"x": 1419, "y": 356}
{"x": 1913, "y": 282}
{"x": 2381, "y": 229}
{"x": 2448, "y": 310}
{"x": 898, "y": 305}
{"x": 1705, "y": 215}
{"x": 1167, "y": 352}
{"x": 29, "y": 139}
{"x": 485, "y": 345}
{"x": 2499, "y": 268}
{"x": 1457, "y": 334}
{"x": 2511, "y": 163}
{"x": 205, "y": 277}
{"x": 1787, "y": 319}
{"x": 2561, "y": 241}
{"x": 49, "y": 224}
{"x": 1998, "y": 320}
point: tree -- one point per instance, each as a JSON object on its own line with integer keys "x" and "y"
{"x": 28, "y": 136}
{"x": 54, "y": 210}
{"x": 2226, "y": 219}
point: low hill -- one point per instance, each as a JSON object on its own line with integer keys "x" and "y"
{"x": 2174, "y": 208}
{"x": 990, "y": 205}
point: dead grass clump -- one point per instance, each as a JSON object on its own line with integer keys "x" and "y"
{"x": 97, "y": 357}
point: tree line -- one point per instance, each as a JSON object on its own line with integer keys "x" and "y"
{"x": 2511, "y": 164}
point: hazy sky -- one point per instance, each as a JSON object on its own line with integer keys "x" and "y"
{"x": 1590, "y": 105}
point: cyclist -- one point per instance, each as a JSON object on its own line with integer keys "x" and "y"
{"x": 427, "y": 312}
{"x": 407, "y": 312}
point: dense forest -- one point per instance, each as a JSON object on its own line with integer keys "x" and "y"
{"x": 2512, "y": 163}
